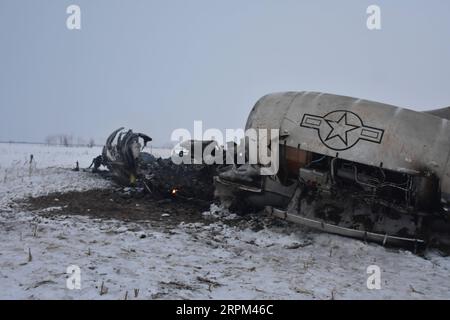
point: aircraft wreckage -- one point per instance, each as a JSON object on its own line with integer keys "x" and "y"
{"x": 347, "y": 166}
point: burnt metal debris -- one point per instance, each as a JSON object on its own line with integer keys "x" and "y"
{"x": 347, "y": 166}
{"x": 129, "y": 165}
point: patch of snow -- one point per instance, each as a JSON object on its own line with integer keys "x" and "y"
{"x": 219, "y": 213}
{"x": 214, "y": 260}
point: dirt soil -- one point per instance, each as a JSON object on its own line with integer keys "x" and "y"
{"x": 113, "y": 204}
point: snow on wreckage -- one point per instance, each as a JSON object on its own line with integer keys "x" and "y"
{"x": 347, "y": 166}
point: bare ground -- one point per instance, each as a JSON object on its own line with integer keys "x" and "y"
{"x": 120, "y": 205}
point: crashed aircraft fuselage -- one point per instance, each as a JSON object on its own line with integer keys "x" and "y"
{"x": 347, "y": 166}
{"x": 352, "y": 167}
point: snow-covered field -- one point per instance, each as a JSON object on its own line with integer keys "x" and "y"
{"x": 193, "y": 261}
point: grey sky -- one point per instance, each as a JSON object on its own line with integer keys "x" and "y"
{"x": 159, "y": 65}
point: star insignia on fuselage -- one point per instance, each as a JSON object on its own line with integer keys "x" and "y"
{"x": 340, "y": 129}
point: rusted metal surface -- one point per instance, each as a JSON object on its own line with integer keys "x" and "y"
{"x": 296, "y": 158}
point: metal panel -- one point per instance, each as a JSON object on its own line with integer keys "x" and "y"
{"x": 441, "y": 113}
{"x": 358, "y": 130}
{"x": 270, "y": 110}
{"x": 326, "y": 227}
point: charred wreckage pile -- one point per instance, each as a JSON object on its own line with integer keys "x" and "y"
{"x": 347, "y": 166}
{"x": 161, "y": 178}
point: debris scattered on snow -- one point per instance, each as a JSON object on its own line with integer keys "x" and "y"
{"x": 213, "y": 258}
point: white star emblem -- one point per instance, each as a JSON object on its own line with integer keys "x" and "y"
{"x": 340, "y": 129}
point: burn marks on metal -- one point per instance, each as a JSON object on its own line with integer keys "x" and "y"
{"x": 341, "y": 130}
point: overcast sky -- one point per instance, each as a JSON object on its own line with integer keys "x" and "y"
{"x": 159, "y": 65}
